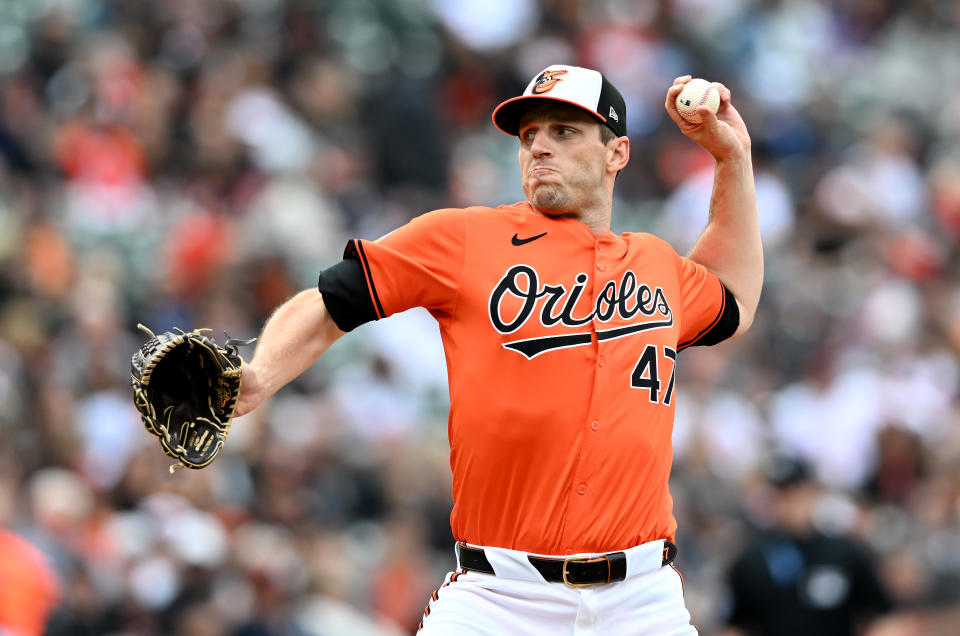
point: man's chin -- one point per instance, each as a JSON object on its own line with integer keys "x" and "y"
{"x": 549, "y": 202}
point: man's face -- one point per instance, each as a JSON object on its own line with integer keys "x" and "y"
{"x": 562, "y": 159}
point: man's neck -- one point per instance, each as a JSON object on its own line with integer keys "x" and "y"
{"x": 595, "y": 218}
{"x": 599, "y": 222}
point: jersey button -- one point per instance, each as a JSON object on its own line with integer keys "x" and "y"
{"x": 595, "y": 425}
{"x": 600, "y": 361}
{"x": 582, "y": 488}
{"x": 600, "y": 266}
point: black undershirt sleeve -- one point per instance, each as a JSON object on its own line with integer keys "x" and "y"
{"x": 346, "y": 294}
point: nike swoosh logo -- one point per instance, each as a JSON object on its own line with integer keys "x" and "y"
{"x": 516, "y": 240}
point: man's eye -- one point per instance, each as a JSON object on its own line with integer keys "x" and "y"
{"x": 567, "y": 131}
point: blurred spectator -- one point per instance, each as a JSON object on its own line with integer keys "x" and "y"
{"x": 29, "y": 590}
{"x": 795, "y": 579}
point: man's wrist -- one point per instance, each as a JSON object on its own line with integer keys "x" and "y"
{"x": 253, "y": 382}
{"x": 740, "y": 156}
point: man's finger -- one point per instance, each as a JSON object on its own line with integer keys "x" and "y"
{"x": 724, "y": 92}
{"x": 707, "y": 116}
{"x": 671, "y": 100}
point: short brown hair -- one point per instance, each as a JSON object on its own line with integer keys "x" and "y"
{"x": 606, "y": 134}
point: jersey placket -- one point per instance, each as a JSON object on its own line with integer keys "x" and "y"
{"x": 586, "y": 492}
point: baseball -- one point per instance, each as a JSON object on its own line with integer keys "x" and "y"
{"x": 697, "y": 92}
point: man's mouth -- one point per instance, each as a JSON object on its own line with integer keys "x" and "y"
{"x": 537, "y": 171}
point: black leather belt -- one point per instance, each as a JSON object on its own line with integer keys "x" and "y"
{"x": 575, "y": 571}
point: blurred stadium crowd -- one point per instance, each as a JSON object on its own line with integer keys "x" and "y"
{"x": 193, "y": 163}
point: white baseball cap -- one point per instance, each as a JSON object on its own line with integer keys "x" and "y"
{"x": 581, "y": 87}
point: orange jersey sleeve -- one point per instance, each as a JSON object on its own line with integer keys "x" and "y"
{"x": 417, "y": 265}
{"x": 709, "y": 313}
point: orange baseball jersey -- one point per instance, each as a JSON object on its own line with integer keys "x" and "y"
{"x": 561, "y": 348}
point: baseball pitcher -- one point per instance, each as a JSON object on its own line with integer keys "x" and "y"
{"x": 562, "y": 341}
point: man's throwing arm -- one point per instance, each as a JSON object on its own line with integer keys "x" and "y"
{"x": 730, "y": 245}
{"x": 297, "y": 333}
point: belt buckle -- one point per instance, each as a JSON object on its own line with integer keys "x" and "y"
{"x": 584, "y": 560}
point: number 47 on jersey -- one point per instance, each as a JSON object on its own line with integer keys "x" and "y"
{"x": 646, "y": 374}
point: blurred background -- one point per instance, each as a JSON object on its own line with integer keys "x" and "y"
{"x": 195, "y": 162}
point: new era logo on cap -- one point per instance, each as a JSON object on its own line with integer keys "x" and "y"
{"x": 581, "y": 87}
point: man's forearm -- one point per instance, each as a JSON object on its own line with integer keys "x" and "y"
{"x": 297, "y": 333}
{"x": 730, "y": 245}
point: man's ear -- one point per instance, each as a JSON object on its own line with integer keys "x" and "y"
{"x": 619, "y": 154}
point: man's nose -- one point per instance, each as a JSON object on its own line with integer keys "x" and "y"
{"x": 540, "y": 146}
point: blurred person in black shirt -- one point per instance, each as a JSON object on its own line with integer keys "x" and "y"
{"x": 792, "y": 579}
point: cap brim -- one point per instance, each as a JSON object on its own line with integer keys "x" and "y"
{"x": 508, "y": 114}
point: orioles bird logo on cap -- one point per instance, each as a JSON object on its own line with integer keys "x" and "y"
{"x": 546, "y": 81}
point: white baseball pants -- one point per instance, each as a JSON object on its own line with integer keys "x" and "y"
{"x": 517, "y": 601}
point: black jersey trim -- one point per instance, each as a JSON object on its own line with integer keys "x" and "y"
{"x": 722, "y": 327}
{"x": 357, "y": 244}
{"x": 346, "y": 291}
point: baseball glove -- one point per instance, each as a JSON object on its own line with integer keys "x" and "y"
{"x": 186, "y": 387}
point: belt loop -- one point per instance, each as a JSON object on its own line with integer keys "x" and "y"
{"x": 669, "y": 552}
{"x": 618, "y": 566}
